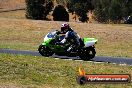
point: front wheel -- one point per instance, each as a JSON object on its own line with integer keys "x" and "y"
{"x": 88, "y": 53}
{"x": 45, "y": 51}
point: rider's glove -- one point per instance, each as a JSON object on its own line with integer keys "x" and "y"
{"x": 58, "y": 32}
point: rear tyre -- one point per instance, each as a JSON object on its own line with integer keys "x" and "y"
{"x": 45, "y": 51}
{"x": 88, "y": 54}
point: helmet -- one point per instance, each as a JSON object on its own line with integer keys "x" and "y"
{"x": 65, "y": 27}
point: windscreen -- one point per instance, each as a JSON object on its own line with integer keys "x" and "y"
{"x": 51, "y": 35}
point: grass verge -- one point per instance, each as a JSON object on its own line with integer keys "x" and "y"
{"x": 41, "y": 72}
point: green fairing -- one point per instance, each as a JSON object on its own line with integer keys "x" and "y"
{"x": 55, "y": 48}
{"x": 89, "y": 39}
{"x": 46, "y": 42}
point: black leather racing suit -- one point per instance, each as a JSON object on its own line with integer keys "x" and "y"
{"x": 73, "y": 38}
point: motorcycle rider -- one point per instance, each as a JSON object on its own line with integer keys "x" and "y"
{"x": 70, "y": 36}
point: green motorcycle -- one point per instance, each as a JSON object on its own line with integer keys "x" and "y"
{"x": 86, "y": 51}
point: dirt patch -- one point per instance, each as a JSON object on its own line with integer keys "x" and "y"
{"x": 11, "y": 4}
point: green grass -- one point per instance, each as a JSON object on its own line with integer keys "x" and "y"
{"x": 116, "y": 49}
{"x": 18, "y": 46}
{"x": 41, "y": 72}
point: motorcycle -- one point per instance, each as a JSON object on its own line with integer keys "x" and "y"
{"x": 86, "y": 51}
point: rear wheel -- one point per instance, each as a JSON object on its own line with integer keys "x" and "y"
{"x": 88, "y": 53}
{"x": 45, "y": 51}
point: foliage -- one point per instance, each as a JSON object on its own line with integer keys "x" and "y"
{"x": 38, "y": 9}
{"x": 60, "y": 14}
{"x": 62, "y": 2}
{"x": 112, "y": 10}
{"x": 80, "y": 7}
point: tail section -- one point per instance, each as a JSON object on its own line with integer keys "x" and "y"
{"x": 89, "y": 41}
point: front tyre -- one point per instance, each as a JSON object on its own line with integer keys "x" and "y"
{"x": 88, "y": 54}
{"x": 45, "y": 51}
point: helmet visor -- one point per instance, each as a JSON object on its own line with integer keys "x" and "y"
{"x": 64, "y": 29}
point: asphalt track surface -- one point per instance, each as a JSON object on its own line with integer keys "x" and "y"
{"x": 119, "y": 60}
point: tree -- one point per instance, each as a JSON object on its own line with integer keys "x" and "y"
{"x": 101, "y": 10}
{"x": 60, "y": 14}
{"x": 38, "y": 9}
{"x": 112, "y": 10}
{"x": 80, "y": 7}
{"x": 62, "y": 2}
{"x": 115, "y": 11}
